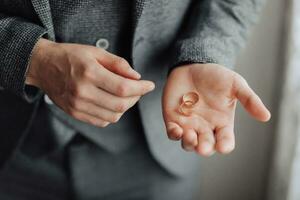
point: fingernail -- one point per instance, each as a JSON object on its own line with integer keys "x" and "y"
{"x": 268, "y": 116}
{"x": 151, "y": 86}
{"x": 227, "y": 148}
{"x": 207, "y": 149}
{"x": 189, "y": 148}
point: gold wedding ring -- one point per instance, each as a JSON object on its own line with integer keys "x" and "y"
{"x": 188, "y": 101}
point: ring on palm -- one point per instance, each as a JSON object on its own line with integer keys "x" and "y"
{"x": 188, "y": 101}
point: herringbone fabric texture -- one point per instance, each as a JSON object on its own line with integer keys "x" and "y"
{"x": 166, "y": 33}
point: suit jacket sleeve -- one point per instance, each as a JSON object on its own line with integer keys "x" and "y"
{"x": 215, "y": 30}
{"x": 17, "y": 40}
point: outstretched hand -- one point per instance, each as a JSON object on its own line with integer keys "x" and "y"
{"x": 210, "y": 127}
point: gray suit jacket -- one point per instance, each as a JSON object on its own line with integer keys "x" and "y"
{"x": 167, "y": 33}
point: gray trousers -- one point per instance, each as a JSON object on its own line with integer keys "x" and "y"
{"x": 44, "y": 170}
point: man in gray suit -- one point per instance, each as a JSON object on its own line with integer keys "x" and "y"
{"x": 80, "y": 118}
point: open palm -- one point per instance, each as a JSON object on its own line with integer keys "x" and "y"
{"x": 211, "y": 124}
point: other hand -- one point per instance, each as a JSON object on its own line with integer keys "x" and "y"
{"x": 211, "y": 126}
{"x": 88, "y": 83}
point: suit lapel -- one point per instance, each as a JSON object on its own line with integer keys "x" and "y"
{"x": 42, "y": 9}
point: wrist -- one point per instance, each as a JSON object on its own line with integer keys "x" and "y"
{"x": 37, "y": 60}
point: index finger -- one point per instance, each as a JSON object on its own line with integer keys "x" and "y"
{"x": 121, "y": 86}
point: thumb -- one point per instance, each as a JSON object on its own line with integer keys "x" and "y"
{"x": 117, "y": 65}
{"x": 250, "y": 100}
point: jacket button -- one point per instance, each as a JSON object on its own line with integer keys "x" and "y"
{"x": 48, "y": 100}
{"x": 102, "y": 43}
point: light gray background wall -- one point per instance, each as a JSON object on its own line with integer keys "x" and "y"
{"x": 243, "y": 174}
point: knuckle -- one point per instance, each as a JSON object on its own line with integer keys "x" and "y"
{"x": 121, "y": 107}
{"x": 74, "y": 90}
{"x": 88, "y": 73}
{"x": 79, "y": 92}
{"x": 122, "y": 89}
{"x": 74, "y": 103}
{"x": 119, "y": 61}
